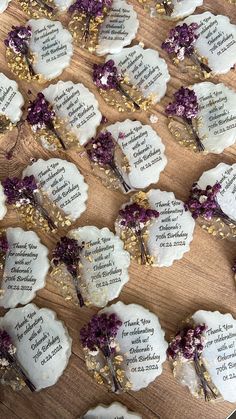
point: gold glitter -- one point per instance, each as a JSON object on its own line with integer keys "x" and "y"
{"x": 184, "y": 134}
{"x": 19, "y": 67}
{"x": 36, "y": 9}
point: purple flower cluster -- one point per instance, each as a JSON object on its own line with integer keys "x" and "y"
{"x": 67, "y": 251}
{"x": 188, "y": 343}
{"x": 185, "y": 104}
{"x": 134, "y": 215}
{"x": 7, "y": 349}
{"x": 100, "y": 333}
{"x": 20, "y": 191}
{"x": 234, "y": 267}
{"x": 92, "y": 8}
{"x": 203, "y": 203}
{"x": 181, "y": 39}
{"x": 4, "y": 247}
{"x": 106, "y": 76}
{"x": 40, "y": 113}
{"x": 102, "y": 149}
{"x": 18, "y": 39}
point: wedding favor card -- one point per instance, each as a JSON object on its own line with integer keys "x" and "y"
{"x": 42, "y": 343}
{"x": 118, "y": 29}
{"x": 11, "y": 100}
{"x": 63, "y": 184}
{"x": 114, "y": 411}
{"x": 77, "y": 106}
{"x": 145, "y": 70}
{"x": 216, "y": 42}
{"x": 25, "y": 267}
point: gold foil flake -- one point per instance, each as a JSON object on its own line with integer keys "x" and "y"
{"x": 49, "y": 139}
{"x": 5, "y": 124}
{"x": 19, "y": 67}
{"x": 38, "y": 8}
{"x": 217, "y": 227}
{"x": 85, "y": 30}
{"x": 184, "y": 134}
{"x": 196, "y": 65}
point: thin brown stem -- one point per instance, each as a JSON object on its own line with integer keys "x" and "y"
{"x": 198, "y": 141}
{"x": 18, "y": 368}
{"x": 120, "y": 89}
{"x": 87, "y": 28}
{"x": 45, "y": 6}
{"x": 9, "y": 154}
{"x": 77, "y": 289}
{"x": 34, "y": 202}
{"x": 168, "y": 6}
{"x": 142, "y": 246}
{"x": 125, "y": 185}
{"x": 107, "y": 354}
{"x": 51, "y": 127}
{"x": 200, "y": 64}
{"x": 207, "y": 390}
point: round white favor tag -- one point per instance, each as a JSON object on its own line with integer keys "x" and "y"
{"x": 75, "y": 104}
{"x": 170, "y": 235}
{"x": 43, "y": 346}
{"x": 216, "y": 41}
{"x": 11, "y": 100}
{"x": 4, "y": 5}
{"x": 25, "y": 267}
{"x": 219, "y": 352}
{"x": 63, "y": 183}
{"x": 103, "y": 264}
{"x": 3, "y": 208}
{"x": 225, "y": 174}
{"x": 142, "y": 343}
{"x": 118, "y": 29}
{"x": 143, "y": 150}
{"x": 51, "y": 46}
{"x": 114, "y": 411}
{"x": 144, "y": 69}
{"x": 217, "y": 115}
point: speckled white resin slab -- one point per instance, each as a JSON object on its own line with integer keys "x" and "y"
{"x": 63, "y": 183}
{"x": 52, "y": 47}
{"x": 42, "y": 342}
{"x": 118, "y": 29}
{"x": 141, "y": 341}
{"x": 75, "y": 104}
{"x": 145, "y": 69}
{"x": 114, "y": 411}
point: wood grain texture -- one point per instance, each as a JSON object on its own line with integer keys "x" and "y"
{"x": 201, "y": 280}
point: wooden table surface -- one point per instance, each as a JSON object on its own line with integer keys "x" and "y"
{"x": 201, "y": 280}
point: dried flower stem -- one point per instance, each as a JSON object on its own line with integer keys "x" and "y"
{"x": 77, "y": 289}
{"x": 143, "y": 252}
{"x": 9, "y": 153}
{"x": 208, "y": 392}
{"x": 107, "y": 354}
{"x": 34, "y": 202}
{"x": 189, "y": 122}
{"x": 119, "y": 176}
{"x": 87, "y": 28}
{"x": 199, "y": 63}
{"x": 225, "y": 217}
{"x": 45, "y": 6}
{"x": 17, "y": 367}
{"x": 51, "y": 127}
{"x": 29, "y": 65}
{"x": 126, "y": 94}
{"x": 168, "y": 7}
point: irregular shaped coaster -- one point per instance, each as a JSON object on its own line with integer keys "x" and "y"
{"x": 203, "y": 352}
{"x": 4, "y": 5}
{"x": 103, "y": 264}
{"x": 44, "y": 8}
{"x": 145, "y": 70}
{"x": 212, "y": 127}
{"x": 142, "y": 342}
{"x": 25, "y": 268}
{"x": 137, "y": 159}
{"x": 11, "y": 102}
{"x": 169, "y": 237}
{"x": 118, "y": 29}
{"x": 3, "y": 208}
{"x": 114, "y": 411}
{"x": 42, "y": 342}
{"x": 76, "y": 106}
{"x": 63, "y": 184}
{"x": 216, "y": 41}
{"x": 171, "y": 9}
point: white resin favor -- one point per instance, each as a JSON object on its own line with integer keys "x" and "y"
{"x": 63, "y": 183}
{"x": 141, "y": 340}
{"x": 3, "y": 208}
{"x": 144, "y": 69}
{"x": 42, "y": 342}
{"x": 75, "y": 104}
{"x": 63, "y": 5}
{"x": 144, "y": 151}
{"x": 25, "y": 267}
{"x": 170, "y": 235}
{"x": 217, "y": 115}
{"x": 11, "y": 100}
{"x": 4, "y": 5}
{"x": 220, "y": 352}
{"x": 216, "y": 42}
{"x": 118, "y": 29}
{"x": 114, "y": 411}
{"x": 184, "y": 8}
{"x": 52, "y": 47}
{"x": 104, "y": 264}
{"x": 226, "y": 176}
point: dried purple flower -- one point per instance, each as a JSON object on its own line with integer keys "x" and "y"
{"x": 67, "y": 251}
{"x": 24, "y": 192}
{"x": 180, "y": 43}
{"x": 234, "y": 267}
{"x": 8, "y": 358}
{"x": 106, "y": 77}
{"x": 100, "y": 334}
{"x": 135, "y": 217}
{"x": 188, "y": 345}
{"x": 101, "y": 150}
{"x": 41, "y": 115}
{"x": 4, "y": 247}
{"x": 186, "y": 107}
{"x": 203, "y": 203}
{"x": 18, "y": 40}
